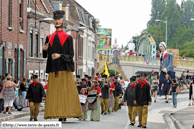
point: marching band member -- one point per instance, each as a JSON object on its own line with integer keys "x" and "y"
{"x": 111, "y": 96}
{"x": 78, "y": 84}
{"x": 142, "y": 99}
{"x": 129, "y": 101}
{"x": 95, "y": 107}
{"x": 105, "y": 96}
{"x": 35, "y": 95}
{"x": 83, "y": 105}
{"x": 89, "y": 81}
{"x": 117, "y": 93}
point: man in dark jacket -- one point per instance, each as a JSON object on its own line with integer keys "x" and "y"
{"x": 35, "y": 95}
{"x": 117, "y": 93}
{"x": 105, "y": 96}
{"x": 129, "y": 97}
{"x": 142, "y": 99}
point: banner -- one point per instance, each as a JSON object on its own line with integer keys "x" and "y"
{"x": 105, "y": 39}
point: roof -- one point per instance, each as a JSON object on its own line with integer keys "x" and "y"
{"x": 43, "y": 6}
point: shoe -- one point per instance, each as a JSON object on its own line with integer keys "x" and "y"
{"x": 189, "y": 104}
{"x": 108, "y": 112}
{"x": 105, "y": 113}
{"x": 132, "y": 124}
{"x": 64, "y": 119}
{"x": 155, "y": 101}
{"x": 175, "y": 106}
{"x": 102, "y": 112}
{"x": 164, "y": 98}
{"x": 9, "y": 112}
{"x": 60, "y": 119}
{"x": 35, "y": 119}
{"x": 166, "y": 101}
{"x": 144, "y": 127}
{"x": 20, "y": 109}
{"x": 4, "y": 112}
{"x": 139, "y": 126}
{"x": 31, "y": 119}
{"x": 192, "y": 104}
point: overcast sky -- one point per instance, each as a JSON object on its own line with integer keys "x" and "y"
{"x": 125, "y": 17}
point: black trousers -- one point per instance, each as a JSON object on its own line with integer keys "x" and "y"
{"x": 1, "y": 105}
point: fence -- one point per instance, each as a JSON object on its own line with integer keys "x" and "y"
{"x": 188, "y": 63}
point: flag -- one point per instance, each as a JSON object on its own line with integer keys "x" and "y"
{"x": 105, "y": 69}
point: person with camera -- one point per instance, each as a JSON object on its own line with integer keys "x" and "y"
{"x": 174, "y": 90}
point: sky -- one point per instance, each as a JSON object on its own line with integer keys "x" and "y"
{"x": 127, "y": 18}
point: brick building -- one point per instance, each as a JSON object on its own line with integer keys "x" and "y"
{"x": 36, "y": 36}
{"x": 13, "y": 32}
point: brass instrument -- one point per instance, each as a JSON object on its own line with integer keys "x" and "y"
{"x": 104, "y": 83}
{"x": 77, "y": 83}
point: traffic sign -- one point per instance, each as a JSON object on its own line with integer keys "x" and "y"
{"x": 115, "y": 53}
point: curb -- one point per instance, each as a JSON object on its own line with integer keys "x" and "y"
{"x": 176, "y": 122}
{"x": 17, "y": 116}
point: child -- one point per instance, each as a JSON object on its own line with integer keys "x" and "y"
{"x": 95, "y": 107}
{"x": 83, "y": 105}
{"x": 174, "y": 90}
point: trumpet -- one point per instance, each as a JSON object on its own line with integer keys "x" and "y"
{"x": 77, "y": 83}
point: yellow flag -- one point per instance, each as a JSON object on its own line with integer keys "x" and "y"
{"x": 105, "y": 69}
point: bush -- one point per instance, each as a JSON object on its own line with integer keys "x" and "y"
{"x": 111, "y": 71}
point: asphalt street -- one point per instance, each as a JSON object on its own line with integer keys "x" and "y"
{"x": 120, "y": 120}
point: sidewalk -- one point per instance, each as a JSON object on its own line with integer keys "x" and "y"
{"x": 17, "y": 114}
{"x": 183, "y": 119}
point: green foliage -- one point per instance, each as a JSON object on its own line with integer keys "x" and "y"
{"x": 180, "y": 27}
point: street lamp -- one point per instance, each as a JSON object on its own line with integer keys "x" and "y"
{"x": 166, "y": 27}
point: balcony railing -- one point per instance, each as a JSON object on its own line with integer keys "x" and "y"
{"x": 188, "y": 63}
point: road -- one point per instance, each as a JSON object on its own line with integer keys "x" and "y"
{"x": 120, "y": 120}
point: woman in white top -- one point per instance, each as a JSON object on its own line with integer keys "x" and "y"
{"x": 9, "y": 93}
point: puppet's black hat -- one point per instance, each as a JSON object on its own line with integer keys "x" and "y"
{"x": 58, "y": 14}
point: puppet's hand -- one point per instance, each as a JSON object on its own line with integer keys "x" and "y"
{"x": 164, "y": 70}
{"x": 55, "y": 56}
{"x": 45, "y": 47}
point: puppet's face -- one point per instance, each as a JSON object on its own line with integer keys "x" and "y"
{"x": 58, "y": 23}
{"x": 162, "y": 48}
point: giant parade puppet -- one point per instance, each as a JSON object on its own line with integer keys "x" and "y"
{"x": 62, "y": 100}
{"x": 166, "y": 65}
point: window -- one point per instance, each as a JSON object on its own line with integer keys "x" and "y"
{"x": 74, "y": 40}
{"x": 28, "y": 3}
{"x": 36, "y": 54}
{"x": 9, "y": 13}
{"x": 21, "y": 14}
{"x": 93, "y": 51}
{"x": 31, "y": 43}
{"x": 89, "y": 54}
{"x": 80, "y": 47}
{"x": 41, "y": 44}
